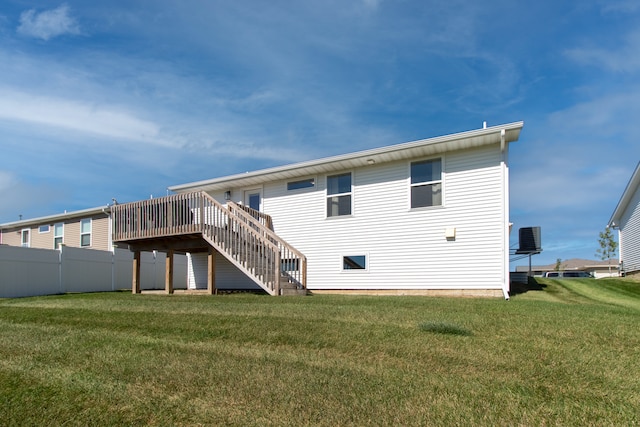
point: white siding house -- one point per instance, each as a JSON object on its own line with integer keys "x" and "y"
{"x": 626, "y": 218}
{"x": 424, "y": 217}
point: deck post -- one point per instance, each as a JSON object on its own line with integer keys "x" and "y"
{"x": 211, "y": 271}
{"x": 135, "y": 283}
{"x": 168, "y": 272}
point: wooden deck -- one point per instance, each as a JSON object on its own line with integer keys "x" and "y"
{"x": 195, "y": 222}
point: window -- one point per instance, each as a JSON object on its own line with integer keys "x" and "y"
{"x": 354, "y": 262}
{"x": 24, "y": 238}
{"x": 43, "y": 229}
{"x": 85, "y": 232}
{"x": 305, "y": 183}
{"x": 339, "y": 195}
{"x": 58, "y": 233}
{"x": 426, "y": 183}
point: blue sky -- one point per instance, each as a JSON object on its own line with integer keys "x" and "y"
{"x": 121, "y": 99}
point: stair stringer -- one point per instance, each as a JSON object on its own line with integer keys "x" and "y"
{"x": 273, "y": 291}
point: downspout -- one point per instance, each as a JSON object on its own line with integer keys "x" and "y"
{"x": 504, "y": 151}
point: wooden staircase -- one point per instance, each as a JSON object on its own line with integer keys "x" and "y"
{"x": 194, "y": 221}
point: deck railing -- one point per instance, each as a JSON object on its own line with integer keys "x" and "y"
{"x": 241, "y": 235}
{"x": 161, "y": 217}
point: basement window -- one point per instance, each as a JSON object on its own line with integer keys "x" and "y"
{"x": 354, "y": 262}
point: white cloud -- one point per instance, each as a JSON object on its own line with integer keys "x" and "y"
{"x": 621, "y": 58}
{"x": 77, "y": 116}
{"x": 372, "y": 4}
{"x": 623, "y": 6}
{"x": 48, "y": 24}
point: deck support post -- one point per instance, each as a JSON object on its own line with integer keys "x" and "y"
{"x": 135, "y": 282}
{"x": 168, "y": 272}
{"x": 211, "y": 271}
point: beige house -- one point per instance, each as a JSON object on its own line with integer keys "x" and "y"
{"x": 88, "y": 228}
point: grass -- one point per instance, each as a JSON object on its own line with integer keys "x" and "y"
{"x": 563, "y": 355}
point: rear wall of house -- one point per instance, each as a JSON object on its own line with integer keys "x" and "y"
{"x": 404, "y": 248}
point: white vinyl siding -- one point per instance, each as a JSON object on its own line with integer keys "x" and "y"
{"x": 406, "y": 249}
{"x": 227, "y": 275}
{"x": 630, "y": 235}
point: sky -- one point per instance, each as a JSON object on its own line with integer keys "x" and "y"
{"x": 122, "y": 99}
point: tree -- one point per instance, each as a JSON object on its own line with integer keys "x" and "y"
{"x": 608, "y": 246}
{"x": 558, "y": 266}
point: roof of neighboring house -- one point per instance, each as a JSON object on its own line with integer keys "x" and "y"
{"x": 476, "y": 138}
{"x": 58, "y": 217}
{"x": 571, "y": 264}
{"x": 627, "y": 195}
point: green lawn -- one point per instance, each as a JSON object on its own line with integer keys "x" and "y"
{"x": 566, "y": 354}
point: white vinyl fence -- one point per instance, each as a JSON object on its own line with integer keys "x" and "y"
{"x": 31, "y": 272}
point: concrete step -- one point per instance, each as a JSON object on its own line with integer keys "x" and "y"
{"x": 293, "y": 292}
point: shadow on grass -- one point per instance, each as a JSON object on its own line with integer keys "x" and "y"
{"x": 444, "y": 328}
{"x": 521, "y": 288}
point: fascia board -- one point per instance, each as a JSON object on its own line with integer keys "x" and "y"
{"x": 406, "y": 150}
{"x": 626, "y": 197}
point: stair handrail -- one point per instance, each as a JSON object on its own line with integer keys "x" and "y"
{"x": 240, "y": 211}
{"x": 288, "y": 251}
{"x": 264, "y": 218}
{"x": 292, "y": 262}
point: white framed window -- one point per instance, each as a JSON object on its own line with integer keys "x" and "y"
{"x": 85, "y": 232}
{"x": 355, "y": 262}
{"x": 25, "y": 238}
{"x": 426, "y": 183}
{"x": 58, "y": 235}
{"x": 43, "y": 229}
{"x": 301, "y": 184}
{"x": 339, "y": 194}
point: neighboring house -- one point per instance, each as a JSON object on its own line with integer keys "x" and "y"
{"x": 626, "y": 218}
{"x": 88, "y": 228}
{"x": 423, "y": 217}
{"x": 597, "y": 269}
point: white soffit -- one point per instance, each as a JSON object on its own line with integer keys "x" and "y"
{"x": 408, "y": 150}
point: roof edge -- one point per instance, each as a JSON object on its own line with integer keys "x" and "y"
{"x": 514, "y": 126}
{"x": 627, "y": 194}
{"x": 65, "y": 215}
